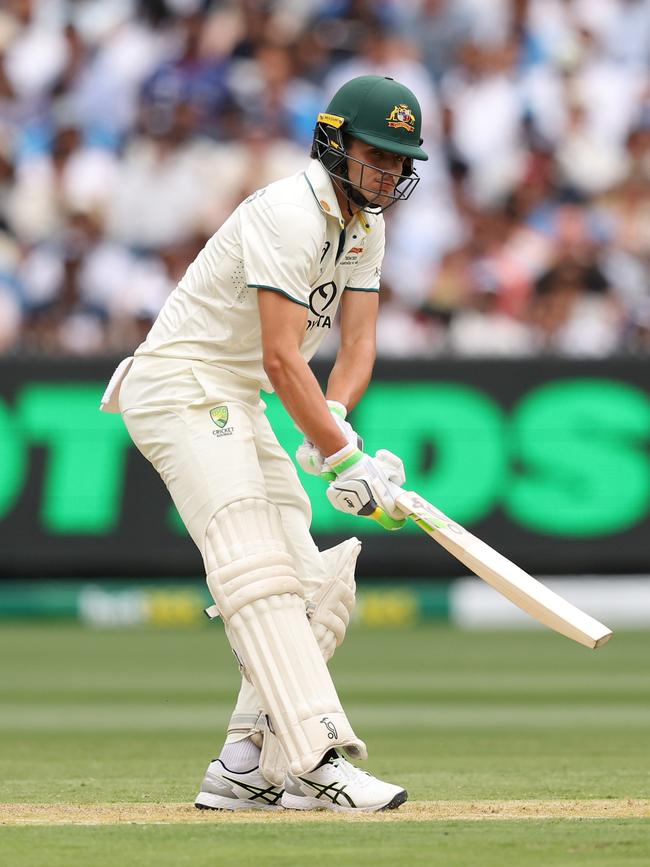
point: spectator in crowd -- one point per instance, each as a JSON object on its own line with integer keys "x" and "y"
{"x": 129, "y": 129}
{"x": 572, "y": 312}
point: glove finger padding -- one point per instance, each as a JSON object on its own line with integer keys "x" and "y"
{"x": 363, "y": 488}
{"x": 309, "y": 458}
{"x": 392, "y": 466}
{"x": 355, "y": 498}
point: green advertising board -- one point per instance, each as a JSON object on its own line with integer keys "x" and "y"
{"x": 547, "y": 461}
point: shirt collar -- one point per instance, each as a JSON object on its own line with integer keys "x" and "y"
{"x": 321, "y": 186}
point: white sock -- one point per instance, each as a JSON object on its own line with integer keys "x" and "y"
{"x": 240, "y": 756}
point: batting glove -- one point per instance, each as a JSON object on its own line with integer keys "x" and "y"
{"x": 363, "y": 485}
{"x": 310, "y": 458}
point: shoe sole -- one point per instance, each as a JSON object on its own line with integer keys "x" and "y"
{"x": 208, "y": 801}
{"x": 298, "y": 802}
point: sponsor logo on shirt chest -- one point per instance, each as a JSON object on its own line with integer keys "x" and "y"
{"x": 320, "y": 302}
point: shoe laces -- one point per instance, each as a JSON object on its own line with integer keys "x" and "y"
{"x": 351, "y": 772}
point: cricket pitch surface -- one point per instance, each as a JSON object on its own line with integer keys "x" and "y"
{"x": 415, "y": 811}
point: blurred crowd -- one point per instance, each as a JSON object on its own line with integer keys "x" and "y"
{"x": 129, "y": 129}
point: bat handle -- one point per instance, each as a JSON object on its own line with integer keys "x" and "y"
{"x": 396, "y": 492}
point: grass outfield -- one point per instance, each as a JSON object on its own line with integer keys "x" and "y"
{"x": 104, "y": 737}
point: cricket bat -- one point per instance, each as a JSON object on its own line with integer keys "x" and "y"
{"x": 512, "y": 582}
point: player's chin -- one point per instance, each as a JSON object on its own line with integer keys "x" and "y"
{"x": 382, "y": 198}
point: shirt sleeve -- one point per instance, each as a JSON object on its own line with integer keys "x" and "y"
{"x": 366, "y": 275}
{"x": 280, "y": 244}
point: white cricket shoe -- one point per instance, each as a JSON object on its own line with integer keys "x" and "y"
{"x": 337, "y": 785}
{"x": 222, "y": 789}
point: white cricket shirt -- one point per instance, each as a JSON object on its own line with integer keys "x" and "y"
{"x": 288, "y": 237}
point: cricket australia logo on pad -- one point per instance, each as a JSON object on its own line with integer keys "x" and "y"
{"x": 220, "y": 416}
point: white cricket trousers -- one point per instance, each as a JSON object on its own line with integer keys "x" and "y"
{"x": 205, "y": 431}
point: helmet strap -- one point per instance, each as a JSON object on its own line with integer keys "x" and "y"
{"x": 352, "y": 194}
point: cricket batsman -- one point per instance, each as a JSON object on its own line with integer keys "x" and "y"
{"x": 247, "y": 316}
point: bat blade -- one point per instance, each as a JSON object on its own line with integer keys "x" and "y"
{"x": 510, "y": 580}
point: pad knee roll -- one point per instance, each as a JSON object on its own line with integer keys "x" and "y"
{"x": 246, "y": 557}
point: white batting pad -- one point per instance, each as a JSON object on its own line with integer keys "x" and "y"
{"x": 330, "y": 610}
{"x": 329, "y": 616}
{"x": 254, "y": 584}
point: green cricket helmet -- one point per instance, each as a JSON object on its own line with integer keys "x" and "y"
{"x": 381, "y": 112}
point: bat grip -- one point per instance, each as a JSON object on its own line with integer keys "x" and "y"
{"x": 395, "y": 492}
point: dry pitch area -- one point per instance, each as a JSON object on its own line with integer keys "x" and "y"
{"x": 416, "y": 811}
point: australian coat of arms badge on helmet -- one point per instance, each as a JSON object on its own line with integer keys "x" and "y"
{"x": 401, "y": 117}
